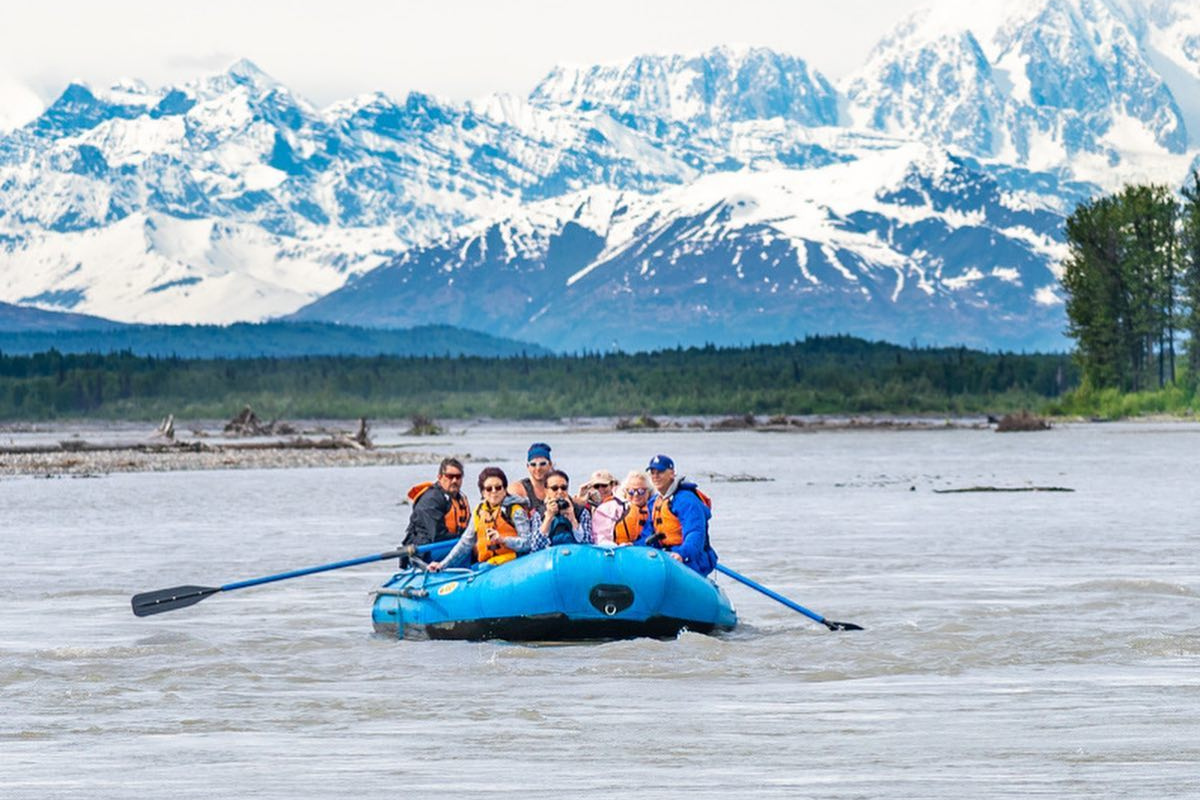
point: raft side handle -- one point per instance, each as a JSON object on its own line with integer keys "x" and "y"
{"x": 405, "y": 592}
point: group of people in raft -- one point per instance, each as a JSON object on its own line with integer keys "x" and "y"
{"x": 653, "y": 508}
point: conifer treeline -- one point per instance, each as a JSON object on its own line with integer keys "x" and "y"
{"x": 1132, "y": 279}
{"x": 833, "y": 374}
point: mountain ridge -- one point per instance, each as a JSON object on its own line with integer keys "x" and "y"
{"x": 231, "y": 198}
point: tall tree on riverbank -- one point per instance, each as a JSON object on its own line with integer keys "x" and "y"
{"x": 1121, "y": 278}
{"x": 1190, "y": 270}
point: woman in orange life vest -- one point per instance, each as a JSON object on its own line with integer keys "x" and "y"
{"x": 440, "y": 509}
{"x": 500, "y": 529}
{"x": 637, "y": 512}
{"x": 679, "y": 518}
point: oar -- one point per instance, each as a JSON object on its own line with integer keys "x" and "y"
{"x": 157, "y": 602}
{"x": 833, "y": 626}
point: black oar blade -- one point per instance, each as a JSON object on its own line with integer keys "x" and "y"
{"x": 157, "y": 602}
{"x": 842, "y": 626}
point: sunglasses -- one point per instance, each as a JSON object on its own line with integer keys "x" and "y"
{"x": 638, "y": 492}
{"x": 498, "y": 488}
{"x": 454, "y": 476}
{"x": 558, "y": 487}
{"x": 539, "y": 463}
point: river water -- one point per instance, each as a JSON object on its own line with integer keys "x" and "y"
{"x": 1041, "y": 644}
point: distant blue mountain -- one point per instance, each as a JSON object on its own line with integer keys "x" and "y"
{"x": 274, "y": 339}
{"x": 26, "y": 318}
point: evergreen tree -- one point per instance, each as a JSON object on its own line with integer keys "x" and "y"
{"x": 1121, "y": 277}
{"x": 1190, "y": 271}
{"x": 1095, "y": 292}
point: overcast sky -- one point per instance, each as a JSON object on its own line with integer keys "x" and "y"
{"x": 457, "y": 49}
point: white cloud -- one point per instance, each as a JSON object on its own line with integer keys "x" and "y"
{"x": 18, "y": 104}
{"x": 459, "y": 49}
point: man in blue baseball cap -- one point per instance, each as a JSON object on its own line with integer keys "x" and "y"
{"x": 533, "y": 488}
{"x": 679, "y": 517}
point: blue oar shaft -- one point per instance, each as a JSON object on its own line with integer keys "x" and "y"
{"x": 773, "y": 595}
{"x": 425, "y": 549}
{"x": 296, "y": 573}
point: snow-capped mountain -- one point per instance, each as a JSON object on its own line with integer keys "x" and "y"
{"x": 1050, "y": 84}
{"x": 908, "y": 242}
{"x": 921, "y": 197}
{"x": 721, "y": 86}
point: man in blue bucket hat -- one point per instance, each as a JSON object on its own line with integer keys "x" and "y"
{"x": 533, "y": 488}
{"x": 679, "y": 518}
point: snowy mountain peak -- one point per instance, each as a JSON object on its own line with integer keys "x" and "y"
{"x": 370, "y": 102}
{"x": 725, "y": 84}
{"x": 247, "y": 73}
{"x": 1038, "y": 82}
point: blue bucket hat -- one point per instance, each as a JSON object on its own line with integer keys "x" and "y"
{"x": 538, "y": 449}
{"x": 661, "y": 462}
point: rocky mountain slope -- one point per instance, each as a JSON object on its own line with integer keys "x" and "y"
{"x": 737, "y": 194}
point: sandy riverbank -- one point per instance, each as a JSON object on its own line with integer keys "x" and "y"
{"x": 106, "y": 461}
{"x": 83, "y": 449}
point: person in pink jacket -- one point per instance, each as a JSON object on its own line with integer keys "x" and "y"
{"x": 606, "y": 507}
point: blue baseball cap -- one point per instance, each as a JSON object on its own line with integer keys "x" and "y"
{"x": 538, "y": 449}
{"x": 661, "y": 462}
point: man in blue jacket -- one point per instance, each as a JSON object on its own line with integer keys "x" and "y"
{"x": 679, "y": 518}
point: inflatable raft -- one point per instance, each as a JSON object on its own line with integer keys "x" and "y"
{"x": 564, "y": 593}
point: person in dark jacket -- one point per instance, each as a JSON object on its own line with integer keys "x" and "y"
{"x": 440, "y": 509}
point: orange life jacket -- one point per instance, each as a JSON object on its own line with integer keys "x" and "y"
{"x": 456, "y": 517}
{"x": 668, "y": 530}
{"x": 629, "y": 527}
{"x": 485, "y": 551}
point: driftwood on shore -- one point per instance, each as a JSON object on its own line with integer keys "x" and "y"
{"x": 1021, "y": 421}
{"x": 247, "y": 423}
{"x": 163, "y": 440}
{"x": 424, "y": 426}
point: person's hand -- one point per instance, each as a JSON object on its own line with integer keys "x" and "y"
{"x": 493, "y": 537}
{"x": 435, "y": 566}
{"x": 677, "y": 557}
{"x": 569, "y": 513}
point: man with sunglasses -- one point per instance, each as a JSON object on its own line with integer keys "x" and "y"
{"x": 679, "y": 519}
{"x": 440, "y": 509}
{"x": 533, "y": 488}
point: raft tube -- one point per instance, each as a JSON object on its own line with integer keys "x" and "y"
{"x": 563, "y": 593}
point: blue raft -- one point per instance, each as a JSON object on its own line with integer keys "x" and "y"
{"x": 563, "y": 593}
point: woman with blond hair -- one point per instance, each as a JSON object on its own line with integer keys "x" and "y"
{"x": 640, "y": 496}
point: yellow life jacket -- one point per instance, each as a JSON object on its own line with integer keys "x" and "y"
{"x": 485, "y": 551}
{"x": 668, "y": 530}
{"x": 629, "y": 527}
{"x": 456, "y": 517}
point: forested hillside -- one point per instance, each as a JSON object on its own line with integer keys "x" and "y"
{"x": 837, "y": 374}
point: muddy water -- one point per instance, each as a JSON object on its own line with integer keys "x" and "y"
{"x": 1016, "y": 644}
